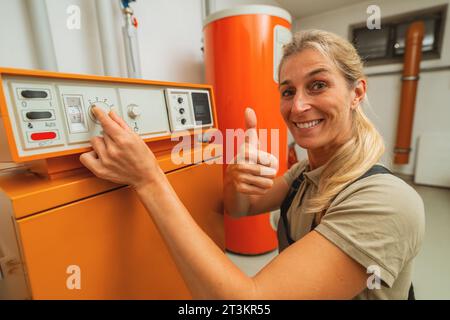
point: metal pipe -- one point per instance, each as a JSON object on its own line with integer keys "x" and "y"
{"x": 108, "y": 44}
{"x": 131, "y": 43}
{"x": 410, "y": 78}
{"x": 42, "y": 35}
{"x": 207, "y": 7}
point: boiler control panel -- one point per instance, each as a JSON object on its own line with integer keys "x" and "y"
{"x": 47, "y": 114}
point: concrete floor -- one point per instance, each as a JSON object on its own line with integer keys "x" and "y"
{"x": 431, "y": 275}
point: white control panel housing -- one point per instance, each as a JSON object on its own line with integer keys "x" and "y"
{"x": 188, "y": 109}
{"x": 49, "y": 115}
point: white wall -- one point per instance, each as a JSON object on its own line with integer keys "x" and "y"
{"x": 77, "y": 51}
{"x": 433, "y": 98}
{"x": 15, "y": 35}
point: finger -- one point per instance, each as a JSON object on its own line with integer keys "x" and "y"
{"x": 249, "y": 189}
{"x": 260, "y": 182}
{"x": 98, "y": 143}
{"x": 119, "y": 120}
{"x": 251, "y": 135}
{"x": 267, "y": 162}
{"x": 109, "y": 125}
{"x": 247, "y": 154}
{"x": 91, "y": 161}
{"x": 250, "y": 155}
{"x": 109, "y": 142}
{"x": 250, "y": 118}
{"x": 256, "y": 169}
{"x": 267, "y": 159}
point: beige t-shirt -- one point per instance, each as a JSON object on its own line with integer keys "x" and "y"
{"x": 379, "y": 221}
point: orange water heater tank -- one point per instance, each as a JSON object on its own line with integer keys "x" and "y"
{"x": 243, "y": 47}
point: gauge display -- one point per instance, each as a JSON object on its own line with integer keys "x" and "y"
{"x": 75, "y": 114}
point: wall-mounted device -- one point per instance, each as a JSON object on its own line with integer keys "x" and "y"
{"x": 51, "y": 116}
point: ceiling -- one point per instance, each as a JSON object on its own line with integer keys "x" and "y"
{"x": 302, "y": 8}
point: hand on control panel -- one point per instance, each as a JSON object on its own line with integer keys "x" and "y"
{"x": 120, "y": 156}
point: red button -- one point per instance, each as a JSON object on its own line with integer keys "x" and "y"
{"x": 43, "y": 135}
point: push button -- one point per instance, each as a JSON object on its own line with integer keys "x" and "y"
{"x": 37, "y": 136}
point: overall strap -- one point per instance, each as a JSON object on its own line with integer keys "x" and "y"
{"x": 283, "y": 225}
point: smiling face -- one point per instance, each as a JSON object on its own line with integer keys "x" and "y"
{"x": 317, "y": 102}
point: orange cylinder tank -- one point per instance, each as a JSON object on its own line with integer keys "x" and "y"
{"x": 243, "y": 46}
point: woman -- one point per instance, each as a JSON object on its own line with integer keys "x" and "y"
{"x": 347, "y": 231}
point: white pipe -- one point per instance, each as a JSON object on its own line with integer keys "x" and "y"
{"x": 207, "y": 7}
{"x": 131, "y": 45}
{"x": 42, "y": 35}
{"x": 106, "y": 27}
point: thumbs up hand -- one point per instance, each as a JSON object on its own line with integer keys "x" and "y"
{"x": 253, "y": 170}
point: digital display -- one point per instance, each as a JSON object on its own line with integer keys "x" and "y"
{"x": 202, "y": 112}
{"x": 201, "y": 109}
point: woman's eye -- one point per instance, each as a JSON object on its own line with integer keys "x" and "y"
{"x": 318, "y": 85}
{"x": 286, "y": 93}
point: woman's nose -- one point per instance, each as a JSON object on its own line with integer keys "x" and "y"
{"x": 300, "y": 104}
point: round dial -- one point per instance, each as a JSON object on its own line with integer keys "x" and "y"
{"x": 99, "y": 104}
{"x": 134, "y": 111}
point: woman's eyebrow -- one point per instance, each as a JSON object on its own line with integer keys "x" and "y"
{"x": 310, "y": 74}
{"x": 316, "y": 71}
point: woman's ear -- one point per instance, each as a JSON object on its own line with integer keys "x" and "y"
{"x": 359, "y": 92}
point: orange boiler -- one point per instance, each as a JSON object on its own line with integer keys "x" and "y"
{"x": 243, "y": 46}
{"x": 65, "y": 234}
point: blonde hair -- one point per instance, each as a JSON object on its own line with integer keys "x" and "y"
{"x": 366, "y": 145}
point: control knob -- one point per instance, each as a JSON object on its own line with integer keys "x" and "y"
{"x": 134, "y": 111}
{"x": 105, "y": 108}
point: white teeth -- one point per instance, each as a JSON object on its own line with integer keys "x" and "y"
{"x": 310, "y": 124}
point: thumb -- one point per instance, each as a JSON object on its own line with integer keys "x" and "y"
{"x": 250, "y": 118}
{"x": 251, "y": 136}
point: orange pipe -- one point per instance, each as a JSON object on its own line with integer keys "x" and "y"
{"x": 413, "y": 56}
